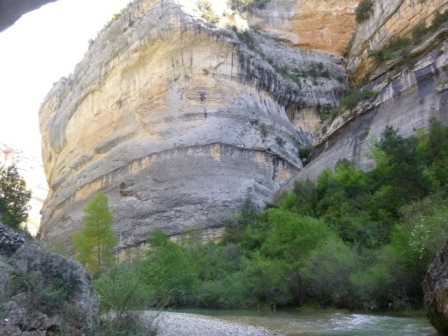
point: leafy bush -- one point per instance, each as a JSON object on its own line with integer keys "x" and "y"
{"x": 349, "y": 102}
{"x": 167, "y": 271}
{"x": 122, "y": 293}
{"x": 280, "y": 141}
{"x": 327, "y": 274}
{"x": 353, "y": 239}
{"x": 364, "y": 10}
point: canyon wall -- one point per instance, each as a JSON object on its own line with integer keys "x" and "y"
{"x": 324, "y": 25}
{"x": 178, "y": 120}
{"x": 410, "y": 88}
{"x": 388, "y": 19}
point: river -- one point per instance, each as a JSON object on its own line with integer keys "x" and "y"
{"x": 322, "y": 323}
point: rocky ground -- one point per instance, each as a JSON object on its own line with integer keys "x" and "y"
{"x": 181, "y": 324}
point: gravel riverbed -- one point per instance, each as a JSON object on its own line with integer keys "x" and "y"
{"x": 183, "y": 324}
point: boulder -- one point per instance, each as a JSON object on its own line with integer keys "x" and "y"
{"x": 435, "y": 288}
{"x": 42, "y": 293}
{"x": 9, "y": 241}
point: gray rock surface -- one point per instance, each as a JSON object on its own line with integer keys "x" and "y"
{"x": 51, "y": 266}
{"x": 406, "y": 101}
{"x": 12, "y": 10}
{"x": 435, "y": 288}
{"x": 10, "y": 241}
{"x": 30, "y": 280}
{"x": 178, "y": 121}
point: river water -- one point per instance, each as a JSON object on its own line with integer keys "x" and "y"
{"x": 317, "y": 323}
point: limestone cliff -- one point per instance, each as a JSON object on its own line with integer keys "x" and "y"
{"x": 388, "y": 19}
{"x": 178, "y": 120}
{"x": 324, "y": 25}
{"x": 410, "y": 88}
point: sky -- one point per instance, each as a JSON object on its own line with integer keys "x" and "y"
{"x": 39, "y": 49}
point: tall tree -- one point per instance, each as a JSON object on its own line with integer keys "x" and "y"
{"x": 14, "y": 197}
{"x": 93, "y": 245}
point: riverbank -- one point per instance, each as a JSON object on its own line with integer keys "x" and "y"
{"x": 182, "y": 324}
{"x": 286, "y": 323}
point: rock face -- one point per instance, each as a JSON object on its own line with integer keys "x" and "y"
{"x": 43, "y": 293}
{"x": 435, "y": 288}
{"x": 12, "y": 10}
{"x": 10, "y": 241}
{"x": 408, "y": 95}
{"x": 178, "y": 121}
{"x": 389, "y": 19}
{"x": 406, "y": 101}
{"x": 324, "y": 25}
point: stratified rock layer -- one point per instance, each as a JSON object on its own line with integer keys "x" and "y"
{"x": 405, "y": 101}
{"x": 324, "y": 25}
{"x": 435, "y": 288}
{"x": 388, "y": 19}
{"x": 177, "y": 121}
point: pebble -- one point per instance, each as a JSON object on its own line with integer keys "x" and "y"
{"x": 183, "y": 324}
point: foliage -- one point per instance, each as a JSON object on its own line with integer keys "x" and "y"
{"x": 401, "y": 46}
{"x": 93, "y": 245}
{"x": 244, "y": 4}
{"x": 264, "y": 130}
{"x": 45, "y": 296}
{"x": 14, "y": 197}
{"x": 304, "y": 152}
{"x": 207, "y": 11}
{"x": 280, "y": 141}
{"x": 327, "y": 274}
{"x": 364, "y": 10}
{"x": 349, "y": 102}
{"x": 352, "y": 239}
{"x": 167, "y": 270}
{"x": 396, "y": 47}
{"x": 122, "y": 293}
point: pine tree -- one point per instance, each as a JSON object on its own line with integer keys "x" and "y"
{"x": 93, "y": 246}
{"x": 14, "y": 197}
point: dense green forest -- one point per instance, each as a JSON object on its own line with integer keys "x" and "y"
{"x": 353, "y": 239}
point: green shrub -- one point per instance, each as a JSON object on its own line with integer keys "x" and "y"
{"x": 364, "y": 10}
{"x": 122, "y": 294}
{"x": 169, "y": 274}
{"x": 280, "y": 141}
{"x": 348, "y": 102}
{"x": 263, "y": 130}
{"x": 327, "y": 274}
{"x": 42, "y": 295}
{"x": 304, "y": 152}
